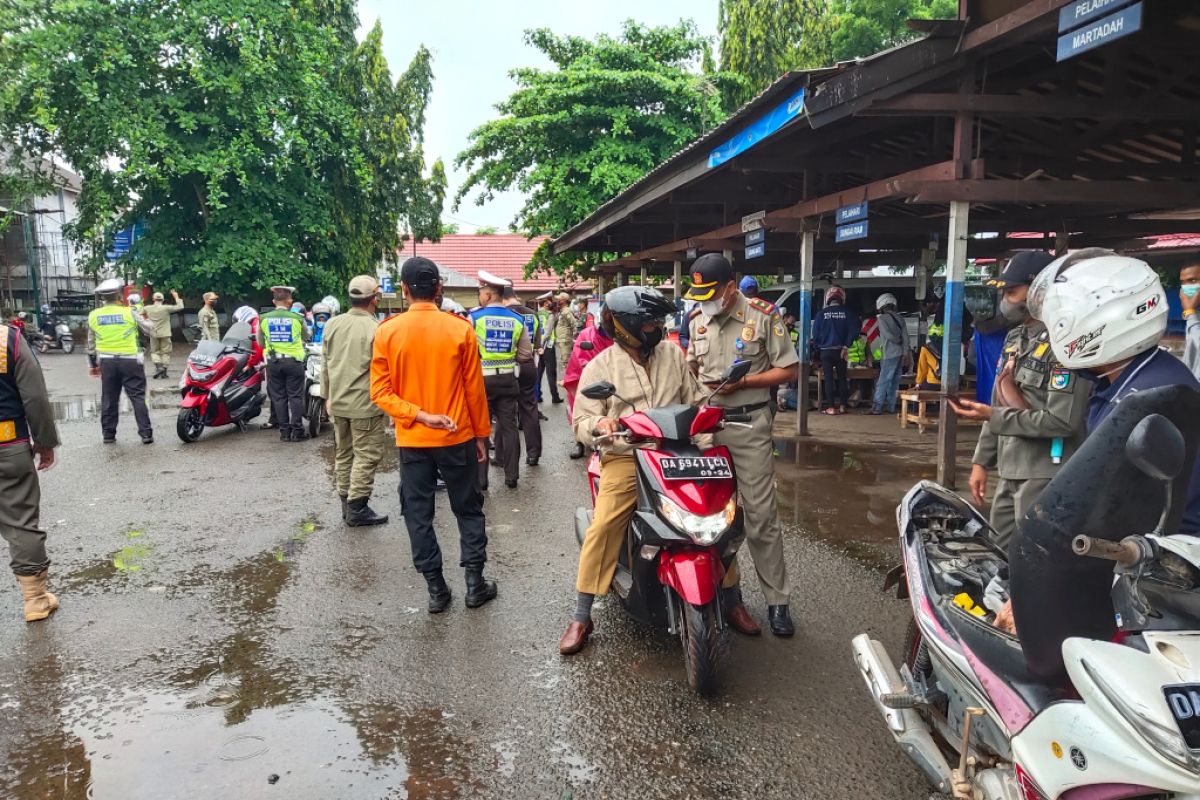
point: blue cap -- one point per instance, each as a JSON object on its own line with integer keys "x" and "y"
{"x": 748, "y": 282}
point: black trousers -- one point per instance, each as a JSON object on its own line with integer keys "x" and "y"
{"x": 833, "y": 368}
{"x": 502, "y": 393}
{"x": 548, "y": 366}
{"x": 117, "y": 374}
{"x": 420, "y": 468}
{"x": 527, "y": 409}
{"x": 285, "y": 386}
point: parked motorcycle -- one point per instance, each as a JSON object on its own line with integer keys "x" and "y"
{"x": 1100, "y": 696}
{"x": 314, "y": 409}
{"x": 685, "y": 531}
{"x": 223, "y": 384}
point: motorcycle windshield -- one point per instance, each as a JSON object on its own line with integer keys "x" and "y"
{"x": 1101, "y": 493}
{"x": 238, "y": 337}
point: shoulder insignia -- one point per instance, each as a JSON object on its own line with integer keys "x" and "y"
{"x": 1060, "y": 379}
{"x": 1040, "y": 350}
{"x": 762, "y": 305}
{"x": 778, "y": 330}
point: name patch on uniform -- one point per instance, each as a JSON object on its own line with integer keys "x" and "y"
{"x": 110, "y": 319}
{"x": 498, "y": 334}
{"x": 279, "y": 330}
{"x": 1060, "y": 379}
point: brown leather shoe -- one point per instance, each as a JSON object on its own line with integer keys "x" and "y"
{"x": 575, "y": 638}
{"x": 740, "y": 620}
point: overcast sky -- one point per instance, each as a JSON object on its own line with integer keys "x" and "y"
{"x": 475, "y": 44}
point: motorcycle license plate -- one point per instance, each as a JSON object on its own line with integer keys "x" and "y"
{"x": 1184, "y": 702}
{"x": 692, "y": 469}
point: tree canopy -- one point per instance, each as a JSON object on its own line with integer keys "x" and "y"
{"x": 763, "y": 39}
{"x": 572, "y": 136}
{"x": 257, "y": 140}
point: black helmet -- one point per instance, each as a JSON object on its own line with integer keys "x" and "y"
{"x": 627, "y": 309}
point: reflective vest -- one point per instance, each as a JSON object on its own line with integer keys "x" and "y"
{"x": 283, "y": 334}
{"x": 532, "y": 324}
{"x": 544, "y": 327}
{"x": 114, "y": 329}
{"x": 857, "y": 353}
{"x": 936, "y": 330}
{"x": 497, "y": 330}
{"x": 13, "y": 426}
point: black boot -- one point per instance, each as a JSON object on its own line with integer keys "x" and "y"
{"x": 577, "y": 453}
{"x": 358, "y": 513}
{"x": 479, "y": 591}
{"x": 345, "y": 502}
{"x": 781, "y": 621}
{"x": 439, "y": 592}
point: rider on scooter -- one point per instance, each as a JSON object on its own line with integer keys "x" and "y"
{"x": 648, "y": 371}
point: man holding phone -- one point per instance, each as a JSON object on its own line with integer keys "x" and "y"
{"x": 1039, "y": 408}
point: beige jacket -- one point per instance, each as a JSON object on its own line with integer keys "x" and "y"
{"x": 160, "y": 317}
{"x": 346, "y": 347}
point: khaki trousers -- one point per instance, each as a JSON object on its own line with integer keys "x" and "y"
{"x": 753, "y": 452}
{"x": 359, "y": 445}
{"x": 615, "y": 504}
{"x": 19, "y": 510}
{"x": 1012, "y": 499}
{"x": 160, "y": 350}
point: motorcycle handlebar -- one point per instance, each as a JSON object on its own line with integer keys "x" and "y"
{"x": 1128, "y": 552}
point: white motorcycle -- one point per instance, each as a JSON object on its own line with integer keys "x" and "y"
{"x": 314, "y": 403}
{"x": 1089, "y": 704}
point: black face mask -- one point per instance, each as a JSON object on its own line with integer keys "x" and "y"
{"x": 651, "y": 340}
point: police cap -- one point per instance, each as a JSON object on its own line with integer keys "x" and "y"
{"x": 709, "y": 272}
{"x": 1022, "y": 269}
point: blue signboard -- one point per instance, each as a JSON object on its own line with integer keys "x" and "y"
{"x": 852, "y": 213}
{"x": 123, "y": 240}
{"x": 758, "y": 130}
{"x": 855, "y": 230}
{"x": 385, "y": 284}
{"x": 755, "y": 251}
{"x": 1082, "y": 11}
{"x": 1100, "y": 32}
{"x": 756, "y": 237}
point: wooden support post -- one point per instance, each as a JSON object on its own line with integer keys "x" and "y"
{"x": 677, "y": 278}
{"x": 642, "y": 275}
{"x": 621, "y": 280}
{"x": 956, "y": 272}
{"x": 804, "y": 326}
{"x": 600, "y": 284}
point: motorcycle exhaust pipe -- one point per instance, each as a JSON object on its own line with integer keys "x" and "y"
{"x": 895, "y": 703}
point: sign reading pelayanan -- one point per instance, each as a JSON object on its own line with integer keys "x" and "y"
{"x": 1081, "y": 11}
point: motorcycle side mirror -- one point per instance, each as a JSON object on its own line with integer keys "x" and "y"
{"x": 737, "y": 370}
{"x": 588, "y": 346}
{"x": 599, "y": 391}
{"x": 1156, "y": 447}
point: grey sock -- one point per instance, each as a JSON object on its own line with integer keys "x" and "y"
{"x": 583, "y": 607}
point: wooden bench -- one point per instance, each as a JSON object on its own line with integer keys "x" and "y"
{"x": 922, "y": 419}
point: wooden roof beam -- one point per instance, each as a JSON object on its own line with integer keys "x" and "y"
{"x": 1146, "y": 194}
{"x": 948, "y": 104}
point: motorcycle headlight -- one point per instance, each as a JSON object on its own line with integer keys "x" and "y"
{"x": 1160, "y": 738}
{"x": 703, "y": 529}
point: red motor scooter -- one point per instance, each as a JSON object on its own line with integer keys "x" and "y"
{"x": 223, "y": 384}
{"x": 686, "y": 528}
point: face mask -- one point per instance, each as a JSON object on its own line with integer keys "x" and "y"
{"x": 711, "y": 308}
{"x": 1014, "y": 312}
{"x": 1191, "y": 289}
{"x": 651, "y": 340}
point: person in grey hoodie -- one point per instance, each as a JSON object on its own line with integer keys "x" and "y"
{"x": 897, "y": 352}
{"x": 1189, "y": 298}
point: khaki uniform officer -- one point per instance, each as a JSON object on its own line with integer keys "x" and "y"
{"x": 1038, "y": 414}
{"x": 731, "y": 328}
{"x": 26, "y": 430}
{"x": 210, "y": 328}
{"x": 566, "y": 327}
{"x": 358, "y": 424}
{"x": 160, "y": 335}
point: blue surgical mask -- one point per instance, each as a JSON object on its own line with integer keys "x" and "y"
{"x": 1190, "y": 289}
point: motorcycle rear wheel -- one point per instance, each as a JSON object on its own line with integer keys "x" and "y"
{"x": 189, "y": 424}
{"x": 316, "y": 409}
{"x": 68, "y": 346}
{"x": 701, "y": 638}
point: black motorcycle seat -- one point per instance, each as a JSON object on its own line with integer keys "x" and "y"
{"x": 1002, "y": 654}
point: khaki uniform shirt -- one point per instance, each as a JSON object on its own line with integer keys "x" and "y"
{"x": 160, "y": 317}
{"x": 664, "y": 381}
{"x": 749, "y": 330}
{"x": 31, "y": 386}
{"x": 210, "y": 329}
{"x": 346, "y": 348}
{"x": 1016, "y": 442}
{"x": 565, "y": 329}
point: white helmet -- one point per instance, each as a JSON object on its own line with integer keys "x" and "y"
{"x": 332, "y": 303}
{"x": 453, "y": 306}
{"x": 245, "y": 314}
{"x": 135, "y": 299}
{"x": 110, "y": 286}
{"x": 322, "y": 308}
{"x": 1099, "y": 307}
{"x": 885, "y": 299}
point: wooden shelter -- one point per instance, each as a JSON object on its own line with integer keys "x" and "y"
{"x": 1018, "y": 117}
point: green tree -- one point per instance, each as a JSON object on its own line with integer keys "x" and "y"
{"x": 257, "y": 139}
{"x": 574, "y": 135}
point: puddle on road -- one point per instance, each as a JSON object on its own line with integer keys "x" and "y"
{"x": 845, "y": 497}
{"x": 69, "y": 408}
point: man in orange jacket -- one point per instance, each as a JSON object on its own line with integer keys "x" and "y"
{"x": 426, "y": 375}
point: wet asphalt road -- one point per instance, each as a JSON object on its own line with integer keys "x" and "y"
{"x": 222, "y": 635}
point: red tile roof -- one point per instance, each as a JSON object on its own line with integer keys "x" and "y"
{"x": 502, "y": 254}
{"x": 1174, "y": 240}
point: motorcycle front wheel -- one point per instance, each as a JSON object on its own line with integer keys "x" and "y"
{"x": 189, "y": 424}
{"x": 316, "y": 408}
{"x": 68, "y": 346}
{"x": 700, "y": 635}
